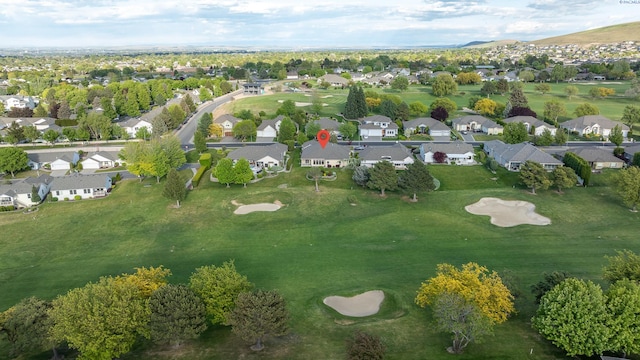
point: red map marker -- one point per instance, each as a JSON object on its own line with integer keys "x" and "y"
{"x": 323, "y": 137}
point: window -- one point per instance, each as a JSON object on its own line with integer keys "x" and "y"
{"x": 73, "y": 192}
{"x": 87, "y": 191}
{"x": 57, "y": 193}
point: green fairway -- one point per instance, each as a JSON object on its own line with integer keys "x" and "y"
{"x": 319, "y": 245}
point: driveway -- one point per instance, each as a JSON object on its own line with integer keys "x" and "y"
{"x": 88, "y": 171}
{"x": 58, "y": 173}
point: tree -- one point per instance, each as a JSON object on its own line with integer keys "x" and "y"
{"x": 624, "y": 265}
{"x": 521, "y": 111}
{"x": 31, "y": 133}
{"x": 444, "y": 103}
{"x": 13, "y": 159}
{"x": 627, "y": 185}
{"x": 288, "y": 108}
{"x": 623, "y": 305}
{"x": 51, "y": 136}
{"x": 571, "y": 91}
{"x": 361, "y": 175}
{"x": 631, "y": 115}
{"x": 389, "y": 109}
{"x": 543, "y": 88}
{"x": 224, "y": 171}
{"x": 561, "y": 137}
{"x": 440, "y": 157}
{"x": 176, "y": 115}
{"x": 363, "y": 346}
{"x": 199, "y": 141}
{"x": 143, "y": 133}
{"x": 466, "y": 301}
{"x": 518, "y": 99}
{"x": 488, "y": 88}
{"x": 444, "y": 85}
{"x": 204, "y": 122}
{"x": 549, "y": 282}
{"x": 586, "y": 109}
{"x": 311, "y": 129}
{"x": 27, "y": 326}
{"x": 174, "y": 188}
{"x": 177, "y": 314}
{"x": 573, "y": 316}
{"x": 635, "y": 161}
{"x": 245, "y": 129}
{"x": 616, "y": 137}
{"x": 35, "y": 196}
{"x": 242, "y": 172}
{"x": 257, "y": 314}
{"x": 101, "y": 320}
{"x": 485, "y": 107}
{"x": 534, "y": 176}
{"x": 545, "y": 139}
{"x": 400, "y": 83}
{"x": 216, "y": 130}
{"x": 417, "y": 108}
{"x": 15, "y": 132}
{"x": 502, "y": 86}
{"x": 564, "y": 177}
{"x": 526, "y": 76}
{"x": 557, "y": 73}
{"x": 96, "y": 124}
{"x": 515, "y": 133}
{"x": 466, "y": 78}
{"x": 287, "y": 131}
{"x": 218, "y": 287}
{"x": 553, "y": 109}
{"x": 315, "y": 173}
{"x": 64, "y": 112}
{"x": 416, "y": 178}
{"x": 348, "y": 130}
{"x": 439, "y": 114}
{"x": 382, "y": 176}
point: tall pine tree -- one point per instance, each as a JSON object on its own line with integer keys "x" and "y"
{"x": 351, "y": 107}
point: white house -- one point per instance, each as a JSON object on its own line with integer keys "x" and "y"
{"x": 227, "y": 121}
{"x": 52, "y": 161}
{"x": 19, "y": 193}
{"x": 397, "y": 154}
{"x": 132, "y": 126}
{"x": 457, "y": 152}
{"x": 84, "y": 186}
{"x": 594, "y": 125}
{"x": 99, "y": 160}
{"x": 512, "y": 156}
{"x": 261, "y": 156}
{"x": 269, "y": 128}
{"x": 378, "y": 126}
{"x": 332, "y": 155}
{"x": 428, "y": 125}
{"x": 531, "y": 122}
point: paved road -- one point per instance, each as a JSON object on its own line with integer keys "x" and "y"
{"x": 185, "y": 134}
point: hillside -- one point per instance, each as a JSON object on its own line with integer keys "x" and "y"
{"x": 604, "y": 35}
{"x": 488, "y": 44}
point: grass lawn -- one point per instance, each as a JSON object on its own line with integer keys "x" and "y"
{"x": 319, "y": 245}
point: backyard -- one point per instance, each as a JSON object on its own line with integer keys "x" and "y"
{"x": 319, "y": 245}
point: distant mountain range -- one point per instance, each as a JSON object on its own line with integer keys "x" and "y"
{"x": 604, "y": 35}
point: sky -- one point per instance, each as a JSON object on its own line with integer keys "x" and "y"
{"x": 298, "y": 23}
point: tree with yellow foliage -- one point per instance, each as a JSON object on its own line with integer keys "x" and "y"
{"x": 216, "y": 130}
{"x": 466, "y": 302}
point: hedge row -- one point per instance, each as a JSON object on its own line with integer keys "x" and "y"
{"x": 579, "y": 165}
{"x": 196, "y": 178}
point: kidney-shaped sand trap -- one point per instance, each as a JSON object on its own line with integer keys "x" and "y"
{"x": 361, "y": 305}
{"x": 506, "y": 213}
{"x": 246, "y": 209}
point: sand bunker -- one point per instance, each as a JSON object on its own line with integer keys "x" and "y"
{"x": 362, "y": 305}
{"x": 246, "y": 209}
{"x": 508, "y": 213}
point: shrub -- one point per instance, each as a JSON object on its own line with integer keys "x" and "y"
{"x": 196, "y": 178}
{"x": 290, "y": 144}
{"x": 365, "y": 346}
{"x": 77, "y": 197}
{"x": 205, "y": 160}
{"x": 66, "y": 199}
{"x": 54, "y": 199}
{"x": 7, "y": 208}
{"x": 66, "y": 122}
{"x": 352, "y": 199}
{"x": 618, "y": 152}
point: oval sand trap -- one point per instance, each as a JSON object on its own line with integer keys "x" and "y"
{"x": 362, "y": 305}
{"x": 505, "y": 213}
{"x": 246, "y": 209}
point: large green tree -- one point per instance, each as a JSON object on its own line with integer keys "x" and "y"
{"x": 400, "y": 83}
{"x": 586, "y": 109}
{"x": 517, "y": 98}
{"x": 27, "y": 326}
{"x": 416, "y": 178}
{"x": 258, "y": 314}
{"x": 627, "y": 185}
{"x": 242, "y": 172}
{"x": 534, "y": 176}
{"x": 550, "y": 280}
{"x": 564, "y": 177}
{"x": 174, "y": 188}
{"x": 631, "y": 115}
{"x": 571, "y": 91}
{"x": 224, "y": 171}
{"x": 219, "y": 286}
{"x": 554, "y": 109}
{"x": 177, "y": 314}
{"x": 616, "y": 137}
{"x": 624, "y": 265}
{"x": 383, "y": 176}
{"x": 515, "y": 133}
{"x": 13, "y": 159}
{"x": 444, "y": 85}
{"x": 200, "y": 141}
{"x": 245, "y": 129}
{"x": 623, "y": 305}
{"x": 31, "y": 133}
{"x": 287, "y": 131}
{"x": 101, "y": 320}
{"x": 444, "y": 103}
{"x": 574, "y": 317}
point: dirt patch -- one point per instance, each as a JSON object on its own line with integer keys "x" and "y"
{"x": 506, "y": 213}
{"x": 361, "y": 305}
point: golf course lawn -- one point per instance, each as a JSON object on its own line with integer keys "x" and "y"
{"x": 319, "y": 245}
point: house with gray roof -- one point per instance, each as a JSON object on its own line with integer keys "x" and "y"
{"x": 334, "y": 80}
{"x": 426, "y": 125}
{"x": 378, "y": 126}
{"x": 597, "y": 125}
{"x": 397, "y": 154}
{"x": 262, "y": 157}
{"x": 332, "y": 155}
{"x": 457, "y": 152}
{"x": 79, "y": 186}
{"x": 53, "y": 160}
{"x": 598, "y": 158}
{"x": 476, "y": 123}
{"x": 99, "y": 160}
{"x": 512, "y": 156}
{"x": 18, "y": 193}
{"x": 268, "y": 129}
{"x": 532, "y": 123}
{"x": 227, "y": 121}
{"x": 330, "y": 125}
{"x": 629, "y": 151}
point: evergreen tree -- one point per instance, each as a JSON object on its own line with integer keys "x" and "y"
{"x": 351, "y": 106}
{"x": 200, "y": 142}
{"x": 518, "y": 99}
{"x": 382, "y": 176}
{"x": 361, "y": 103}
{"x": 35, "y": 197}
{"x": 534, "y": 176}
{"x": 177, "y": 314}
{"x": 204, "y": 122}
{"x": 388, "y": 108}
{"x": 287, "y": 131}
{"x": 416, "y": 178}
{"x": 174, "y": 188}
{"x": 561, "y": 137}
{"x": 361, "y": 175}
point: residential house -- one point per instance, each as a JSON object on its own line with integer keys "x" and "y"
{"x": 457, "y": 152}
{"x": 330, "y": 125}
{"x": 227, "y": 121}
{"x": 41, "y": 124}
{"x": 261, "y": 156}
{"x": 18, "y": 101}
{"x": 132, "y": 126}
{"x": 629, "y": 151}
{"x": 334, "y": 80}
{"x": 53, "y": 161}
{"x": 19, "y": 193}
{"x": 532, "y": 123}
{"x": 426, "y": 125}
{"x": 99, "y": 160}
{"x": 476, "y": 123}
{"x": 269, "y": 128}
{"x": 598, "y": 158}
{"x": 593, "y": 125}
{"x": 252, "y": 89}
{"x": 397, "y": 154}
{"x": 84, "y": 186}
{"x": 512, "y": 156}
{"x": 378, "y": 126}
{"x": 332, "y": 155}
